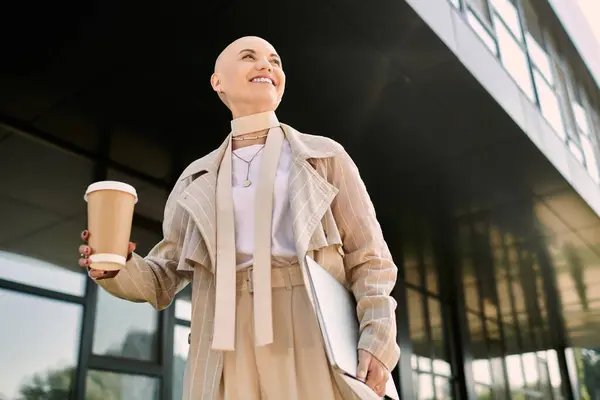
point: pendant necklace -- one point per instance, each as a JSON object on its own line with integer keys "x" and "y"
{"x": 248, "y": 182}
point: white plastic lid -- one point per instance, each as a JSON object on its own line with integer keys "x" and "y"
{"x": 111, "y": 185}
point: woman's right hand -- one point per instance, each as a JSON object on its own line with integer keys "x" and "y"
{"x": 84, "y": 261}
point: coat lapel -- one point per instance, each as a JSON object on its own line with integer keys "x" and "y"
{"x": 199, "y": 198}
{"x": 310, "y": 193}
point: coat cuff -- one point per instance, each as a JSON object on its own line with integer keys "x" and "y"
{"x": 384, "y": 349}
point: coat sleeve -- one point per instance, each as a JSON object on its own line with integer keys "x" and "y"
{"x": 368, "y": 261}
{"x": 155, "y": 279}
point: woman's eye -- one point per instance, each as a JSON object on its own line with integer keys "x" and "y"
{"x": 277, "y": 62}
{"x": 248, "y": 55}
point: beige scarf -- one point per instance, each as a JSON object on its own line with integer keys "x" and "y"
{"x": 225, "y": 301}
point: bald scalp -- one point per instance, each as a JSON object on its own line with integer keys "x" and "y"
{"x": 234, "y": 48}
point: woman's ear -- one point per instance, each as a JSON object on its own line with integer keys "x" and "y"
{"x": 215, "y": 82}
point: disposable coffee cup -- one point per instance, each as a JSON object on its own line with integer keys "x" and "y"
{"x": 110, "y": 216}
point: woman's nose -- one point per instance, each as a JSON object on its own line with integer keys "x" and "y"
{"x": 263, "y": 64}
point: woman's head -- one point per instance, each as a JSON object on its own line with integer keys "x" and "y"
{"x": 249, "y": 77}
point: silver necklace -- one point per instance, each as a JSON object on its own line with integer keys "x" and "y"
{"x": 248, "y": 182}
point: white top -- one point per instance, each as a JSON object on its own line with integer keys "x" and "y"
{"x": 282, "y": 239}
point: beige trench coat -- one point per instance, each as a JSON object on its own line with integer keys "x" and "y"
{"x": 333, "y": 218}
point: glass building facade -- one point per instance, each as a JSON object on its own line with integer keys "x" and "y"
{"x": 493, "y": 302}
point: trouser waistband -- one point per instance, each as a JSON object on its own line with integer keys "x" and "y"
{"x": 281, "y": 277}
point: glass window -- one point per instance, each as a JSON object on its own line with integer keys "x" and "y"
{"x": 590, "y": 158}
{"x": 437, "y": 333}
{"x": 30, "y": 271}
{"x": 416, "y": 320}
{"x": 183, "y": 309}
{"x": 514, "y": 368}
{"x": 549, "y": 105}
{"x": 423, "y": 386}
{"x": 514, "y": 59}
{"x": 443, "y": 390}
{"x": 509, "y": 14}
{"x": 554, "y": 372}
{"x": 180, "y": 350}
{"x": 39, "y": 346}
{"x": 531, "y": 368}
{"x": 482, "y": 9}
{"x": 482, "y": 372}
{"x": 101, "y": 385}
{"x": 540, "y": 58}
{"x": 580, "y": 117}
{"x": 125, "y": 329}
{"x": 482, "y": 32}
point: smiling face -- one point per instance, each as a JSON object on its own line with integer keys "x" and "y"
{"x": 249, "y": 77}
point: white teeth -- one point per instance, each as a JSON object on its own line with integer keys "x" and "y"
{"x": 262, "y": 80}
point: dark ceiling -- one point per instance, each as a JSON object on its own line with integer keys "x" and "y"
{"x": 370, "y": 74}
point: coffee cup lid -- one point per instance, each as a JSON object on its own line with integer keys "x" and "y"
{"x": 111, "y": 185}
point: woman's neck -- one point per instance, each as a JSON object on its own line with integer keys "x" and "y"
{"x": 240, "y": 144}
{"x": 252, "y": 129}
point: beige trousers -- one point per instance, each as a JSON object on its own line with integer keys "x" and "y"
{"x": 294, "y": 366}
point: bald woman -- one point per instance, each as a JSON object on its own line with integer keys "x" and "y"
{"x": 236, "y": 225}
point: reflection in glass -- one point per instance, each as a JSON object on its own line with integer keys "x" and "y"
{"x": 437, "y": 332}
{"x": 183, "y": 309}
{"x": 125, "y": 329}
{"x": 483, "y": 392}
{"x": 531, "y": 368}
{"x": 423, "y": 386}
{"x": 180, "y": 353}
{"x": 416, "y": 319}
{"x": 514, "y": 368}
{"x": 38, "y": 351}
{"x": 554, "y": 372}
{"x": 482, "y": 372}
{"x": 470, "y": 284}
{"x": 443, "y": 390}
{"x": 514, "y": 59}
{"x": 30, "y": 271}
{"x": 101, "y": 385}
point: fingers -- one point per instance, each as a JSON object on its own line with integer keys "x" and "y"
{"x": 372, "y": 372}
{"x": 364, "y": 359}
{"x": 85, "y": 251}
{"x": 376, "y": 379}
{"x": 131, "y": 247}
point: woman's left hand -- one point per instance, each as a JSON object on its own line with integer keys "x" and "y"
{"x": 372, "y": 372}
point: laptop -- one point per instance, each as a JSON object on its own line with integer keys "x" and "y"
{"x": 336, "y": 313}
